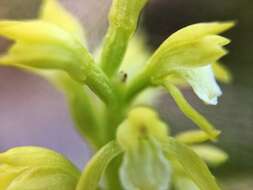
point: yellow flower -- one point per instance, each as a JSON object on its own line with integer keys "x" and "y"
{"x": 189, "y": 55}
{"x": 54, "y": 41}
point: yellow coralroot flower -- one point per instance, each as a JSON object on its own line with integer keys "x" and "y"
{"x": 189, "y": 54}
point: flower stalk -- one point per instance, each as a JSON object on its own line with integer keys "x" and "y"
{"x": 111, "y": 105}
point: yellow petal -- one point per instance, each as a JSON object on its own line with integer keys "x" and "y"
{"x": 36, "y": 168}
{"x": 38, "y": 56}
{"x": 191, "y": 46}
{"x": 192, "y": 137}
{"x": 195, "y": 31}
{"x": 211, "y": 154}
{"x": 41, "y": 178}
{"x": 184, "y": 183}
{"x": 53, "y": 12}
{"x": 36, "y": 156}
{"x": 36, "y": 32}
{"x": 192, "y": 164}
{"x": 222, "y": 73}
{"x": 7, "y": 174}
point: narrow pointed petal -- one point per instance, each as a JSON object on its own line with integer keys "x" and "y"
{"x": 53, "y": 12}
{"x": 35, "y": 32}
{"x": 195, "y": 46}
{"x": 192, "y": 164}
{"x": 184, "y": 183}
{"x": 38, "y": 56}
{"x": 192, "y": 137}
{"x": 222, "y": 73}
{"x": 192, "y": 46}
{"x": 212, "y": 155}
{"x": 198, "y": 30}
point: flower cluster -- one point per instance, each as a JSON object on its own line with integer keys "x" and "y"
{"x": 110, "y": 95}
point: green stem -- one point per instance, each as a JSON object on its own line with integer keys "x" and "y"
{"x": 115, "y": 45}
{"x": 191, "y": 113}
{"x": 138, "y": 84}
{"x": 86, "y": 71}
{"x": 99, "y": 83}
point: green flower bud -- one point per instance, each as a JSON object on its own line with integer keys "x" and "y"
{"x": 123, "y": 20}
{"x": 35, "y": 168}
{"x": 144, "y": 166}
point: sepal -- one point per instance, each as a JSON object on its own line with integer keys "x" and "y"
{"x": 52, "y": 11}
{"x": 193, "y": 166}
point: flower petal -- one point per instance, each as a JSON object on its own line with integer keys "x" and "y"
{"x": 184, "y": 183}
{"x": 222, "y": 73}
{"x": 145, "y": 167}
{"x": 53, "y": 12}
{"x": 30, "y": 156}
{"x": 7, "y": 174}
{"x": 193, "y": 166}
{"x": 38, "y": 56}
{"x": 212, "y": 155}
{"x": 203, "y": 82}
{"x": 36, "y": 168}
{"x": 192, "y": 137}
{"x": 41, "y": 178}
{"x": 193, "y": 46}
{"x": 36, "y": 32}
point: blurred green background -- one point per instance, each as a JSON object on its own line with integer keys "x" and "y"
{"x": 32, "y": 111}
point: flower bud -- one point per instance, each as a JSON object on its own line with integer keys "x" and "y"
{"x": 123, "y": 20}
{"x": 34, "y": 168}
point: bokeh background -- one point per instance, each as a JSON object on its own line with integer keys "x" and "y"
{"x": 32, "y": 112}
